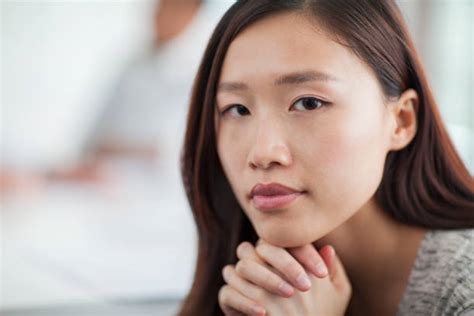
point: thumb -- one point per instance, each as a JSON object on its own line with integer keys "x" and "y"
{"x": 337, "y": 273}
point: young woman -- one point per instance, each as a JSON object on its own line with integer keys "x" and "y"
{"x": 319, "y": 172}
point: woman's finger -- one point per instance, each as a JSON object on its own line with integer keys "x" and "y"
{"x": 230, "y": 301}
{"x": 229, "y": 311}
{"x": 337, "y": 273}
{"x": 285, "y": 263}
{"x": 247, "y": 251}
{"x": 240, "y": 284}
{"x": 311, "y": 260}
{"x": 263, "y": 277}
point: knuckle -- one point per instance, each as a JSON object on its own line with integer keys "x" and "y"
{"x": 344, "y": 287}
{"x": 262, "y": 249}
{"x": 243, "y": 249}
{"x": 242, "y": 267}
{"x": 223, "y": 295}
{"x": 227, "y": 272}
{"x": 348, "y": 290}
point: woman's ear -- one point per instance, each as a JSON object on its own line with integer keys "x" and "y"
{"x": 404, "y": 113}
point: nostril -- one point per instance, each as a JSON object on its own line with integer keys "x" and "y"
{"x": 262, "y": 165}
{"x": 264, "y": 156}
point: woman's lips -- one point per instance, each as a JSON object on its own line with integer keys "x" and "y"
{"x": 272, "y": 202}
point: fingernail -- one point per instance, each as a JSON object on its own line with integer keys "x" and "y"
{"x": 321, "y": 269}
{"x": 258, "y": 310}
{"x": 285, "y": 289}
{"x": 303, "y": 281}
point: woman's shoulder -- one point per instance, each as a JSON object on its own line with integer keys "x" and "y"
{"x": 442, "y": 279}
{"x": 456, "y": 254}
{"x": 449, "y": 251}
{"x": 457, "y": 251}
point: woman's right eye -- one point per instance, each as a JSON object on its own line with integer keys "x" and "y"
{"x": 236, "y": 110}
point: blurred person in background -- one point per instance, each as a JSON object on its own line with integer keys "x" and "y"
{"x": 143, "y": 120}
{"x": 135, "y": 144}
{"x": 113, "y": 246}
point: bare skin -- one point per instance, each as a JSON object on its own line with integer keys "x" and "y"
{"x": 173, "y": 17}
{"x": 378, "y": 261}
{"x": 331, "y": 148}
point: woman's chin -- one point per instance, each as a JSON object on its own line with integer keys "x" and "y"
{"x": 285, "y": 239}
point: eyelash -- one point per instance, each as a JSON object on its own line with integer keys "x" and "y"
{"x": 321, "y": 102}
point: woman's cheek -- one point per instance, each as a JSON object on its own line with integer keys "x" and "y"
{"x": 231, "y": 148}
{"x": 350, "y": 164}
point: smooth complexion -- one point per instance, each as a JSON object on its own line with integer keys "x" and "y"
{"x": 297, "y": 108}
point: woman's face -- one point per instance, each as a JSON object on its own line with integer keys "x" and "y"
{"x": 298, "y": 109}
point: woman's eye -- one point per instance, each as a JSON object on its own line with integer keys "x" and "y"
{"x": 236, "y": 110}
{"x": 308, "y": 103}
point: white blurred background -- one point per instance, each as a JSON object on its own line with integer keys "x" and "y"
{"x": 94, "y": 93}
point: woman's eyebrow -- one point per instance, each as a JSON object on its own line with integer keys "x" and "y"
{"x": 302, "y": 77}
{"x": 285, "y": 79}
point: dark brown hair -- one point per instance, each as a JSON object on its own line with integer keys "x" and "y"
{"x": 424, "y": 184}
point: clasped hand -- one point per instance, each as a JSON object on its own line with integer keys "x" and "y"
{"x": 269, "y": 280}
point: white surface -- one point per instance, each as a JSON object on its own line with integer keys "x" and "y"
{"x": 158, "y": 308}
{"x": 59, "y": 61}
{"x": 71, "y": 244}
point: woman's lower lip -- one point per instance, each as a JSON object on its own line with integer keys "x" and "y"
{"x": 267, "y": 202}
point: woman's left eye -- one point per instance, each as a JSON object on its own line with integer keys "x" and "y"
{"x": 308, "y": 104}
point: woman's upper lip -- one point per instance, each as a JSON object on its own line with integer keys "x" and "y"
{"x": 272, "y": 189}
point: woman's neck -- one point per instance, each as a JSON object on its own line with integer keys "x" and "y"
{"x": 378, "y": 254}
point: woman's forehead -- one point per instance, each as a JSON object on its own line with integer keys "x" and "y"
{"x": 288, "y": 45}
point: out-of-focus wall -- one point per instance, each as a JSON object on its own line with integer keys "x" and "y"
{"x": 59, "y": 63}
{"x": 443, "y": 31}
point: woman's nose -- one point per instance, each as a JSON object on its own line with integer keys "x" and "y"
{"x": 269, "y": 148}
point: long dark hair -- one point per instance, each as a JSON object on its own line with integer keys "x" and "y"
{"x": 424, "y": 184}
